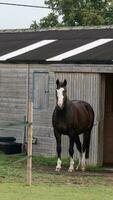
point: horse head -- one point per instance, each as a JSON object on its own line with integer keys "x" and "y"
{"x": 61, "y": 93}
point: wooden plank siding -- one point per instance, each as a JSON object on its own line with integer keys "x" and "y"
{"x": 13, "y": 99}
{"x": 41, "y": 90}
{"x": 42, "y": 116}
{"x": 84, "y": 86}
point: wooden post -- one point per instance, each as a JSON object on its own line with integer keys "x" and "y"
{"x": 29, "y": 146}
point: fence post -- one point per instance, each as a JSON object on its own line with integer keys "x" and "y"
{"x": 29, "y": 142}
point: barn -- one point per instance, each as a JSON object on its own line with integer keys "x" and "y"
{"x": 30, "y": 63}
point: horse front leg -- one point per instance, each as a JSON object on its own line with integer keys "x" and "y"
{"x": 71, "y": 152}
{"x": 58, "y": 149}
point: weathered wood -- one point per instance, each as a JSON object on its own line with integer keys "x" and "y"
{"x": 13, "y": 97}
{"x": 108, "y": 126}
{"x": 89, "y": 68}
{"x": 29, "y": 144}
{"x": 84, "y": 84}
{"x": 41, "y": 90}
{"x": 45, "y": 146}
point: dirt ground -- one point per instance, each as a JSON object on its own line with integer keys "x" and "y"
{"x": 47, "y": 174}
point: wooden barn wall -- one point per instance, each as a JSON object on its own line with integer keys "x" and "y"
{"x": 13, "y": 83}
{"x": 84, "y": 86}
{"x": 14, "y": 92}
{"x": 42, "y": 117}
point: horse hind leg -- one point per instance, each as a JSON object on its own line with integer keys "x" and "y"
{"x": 71, "y": 167}
{"x": 88, "y": 146}
{"x": 85, "y": 149}
{"x": 79, "y": 148}
{"x": 83, "y": 162}
{"x": 79, "y": 161}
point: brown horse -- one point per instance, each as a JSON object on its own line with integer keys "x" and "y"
{"x": 72, "y": 118}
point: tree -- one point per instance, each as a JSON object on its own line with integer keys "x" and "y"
{"x": 50, "y": 21}
{"x": 34, "y": 25}
{"x": 78, "y": 13}
{"x": 83, "y": 12}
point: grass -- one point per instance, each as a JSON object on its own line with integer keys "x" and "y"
{"x": 53, "y": 192}
{"x": 48, "y": 184}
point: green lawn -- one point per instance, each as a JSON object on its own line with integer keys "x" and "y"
{"x": 47, "y": 184}
{"x": 54, "y": 192}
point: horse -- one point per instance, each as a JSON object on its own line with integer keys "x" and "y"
{"x": 72, "y": 118}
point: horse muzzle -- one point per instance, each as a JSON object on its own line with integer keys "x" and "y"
{"x": 60, "y": 107}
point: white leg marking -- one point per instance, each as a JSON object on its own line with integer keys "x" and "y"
{"x": 83, "y": 162}
{"x": 71, "y": 168}
{"x": 58, "y": 167}
{"x": 79, "y": 163}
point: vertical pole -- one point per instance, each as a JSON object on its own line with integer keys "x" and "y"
{"x": 27, "y": 91}
{"x": 29, "y": 147}
{"x": 27, "y": 101}
{"x": 24, "y": 149}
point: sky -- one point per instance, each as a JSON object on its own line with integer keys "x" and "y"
{"x": 12, "y": 17}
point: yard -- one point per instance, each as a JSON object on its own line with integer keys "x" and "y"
{"x": 94, "y": 184}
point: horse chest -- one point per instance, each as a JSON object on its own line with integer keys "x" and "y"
{"x": 61, "y": 124}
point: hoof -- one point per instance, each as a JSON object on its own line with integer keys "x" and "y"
{"x": 70, "y": 170}
{"x": 58, "y": 169}
{"x": 77, "y": 168}
{"x": 83, "y": 169}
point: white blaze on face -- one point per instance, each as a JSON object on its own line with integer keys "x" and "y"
{"x": 60, "y": 96}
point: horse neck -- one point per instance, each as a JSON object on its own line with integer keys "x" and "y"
{"x": 67, "y": 102}
{"x": 65, "y": 107}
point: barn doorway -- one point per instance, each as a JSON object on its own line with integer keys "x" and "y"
{"x": 108, "y": 122}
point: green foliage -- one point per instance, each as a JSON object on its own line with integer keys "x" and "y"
{"x": 84, "y": 12}
{"x": 78, "y": 13}
{"x": 50, "y": 21}
{"x": 34, "y": 25}
{"x": 47, "y": 22}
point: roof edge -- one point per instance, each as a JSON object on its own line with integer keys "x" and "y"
{"x": 56, "y": 29}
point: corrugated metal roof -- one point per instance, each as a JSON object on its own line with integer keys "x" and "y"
{"x": 58, "y": 46}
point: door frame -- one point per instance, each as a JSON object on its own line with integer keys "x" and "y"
{"x": 104, "y": 163}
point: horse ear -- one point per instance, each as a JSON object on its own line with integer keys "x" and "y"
{"x": 57, "y": 82}
{"x": 65, "y": 82}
